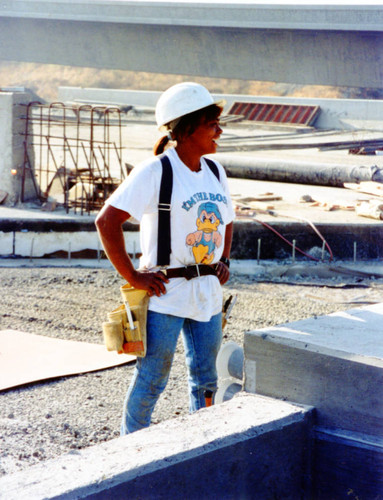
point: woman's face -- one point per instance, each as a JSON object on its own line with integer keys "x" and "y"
{"x": 203, "y": 139}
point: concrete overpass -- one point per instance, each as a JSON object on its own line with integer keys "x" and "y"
{"x": 324, "y": 44}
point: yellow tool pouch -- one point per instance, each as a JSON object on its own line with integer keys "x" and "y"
{"x": 125, "y": 330}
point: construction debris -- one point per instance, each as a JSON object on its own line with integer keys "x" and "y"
{"x": 306, "y": 198}
{"x": 49, "y": 206}
{"x": 372, "y": 209}
{"x": 259, "y": 197}
{"x": 250, "y": 206}
{"x": 368, "y": 150}
{"x": 331, "y": 207}
{"x": 368, "y": 187}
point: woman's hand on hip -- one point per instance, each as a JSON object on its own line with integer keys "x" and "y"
{"x": 223, "y": 273}
{"x": 152, "y": 282}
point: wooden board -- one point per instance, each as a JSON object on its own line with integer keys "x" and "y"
{"x": 26, "y": 358}
{"x": 369, "y": 187}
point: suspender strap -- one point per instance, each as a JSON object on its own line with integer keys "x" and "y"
{"x": 163, "y": 240}
{"x": 164, "y": 205}
{"x": 213, "y": 167}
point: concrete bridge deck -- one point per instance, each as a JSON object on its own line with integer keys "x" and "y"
{"x": 304, "y": 43}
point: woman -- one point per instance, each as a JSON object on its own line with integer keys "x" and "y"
{"x": 185, "y": 295}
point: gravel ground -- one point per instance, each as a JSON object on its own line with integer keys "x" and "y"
{"x": 43, "y": 420}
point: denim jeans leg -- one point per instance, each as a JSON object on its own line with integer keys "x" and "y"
{"x": 202, "y": 341}
{"x": 152, "y": 372}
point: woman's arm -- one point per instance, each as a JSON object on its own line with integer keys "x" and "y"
{"x": 228, "y": 240}
{"x": 109, "y": 226}
{"x": 223, "y": 272}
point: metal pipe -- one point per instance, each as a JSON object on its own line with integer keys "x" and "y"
{"x": 298, "y": 172}
{"x": 230, "y": 361}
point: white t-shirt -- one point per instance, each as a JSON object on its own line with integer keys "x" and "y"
{"x": 200, "y": 209}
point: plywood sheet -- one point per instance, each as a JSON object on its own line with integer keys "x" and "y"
{"x": 26, "y": 358}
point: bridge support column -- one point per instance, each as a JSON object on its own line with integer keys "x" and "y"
{"x": 12, "y": 128}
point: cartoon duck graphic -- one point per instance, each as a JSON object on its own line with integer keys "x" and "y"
{"x": 207, "y": 238}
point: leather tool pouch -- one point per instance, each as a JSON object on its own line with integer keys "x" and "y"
{"x": 118, "y": 334}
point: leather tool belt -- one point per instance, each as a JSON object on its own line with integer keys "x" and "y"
{"x": 190, "y": 272}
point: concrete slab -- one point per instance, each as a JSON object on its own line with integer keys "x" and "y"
{"x": 328, "y": 362}
{"x": 249, "y": 447}
{"x": 354, "y": 333}
{"x": 347, "y": 234}
{"x": 334, "y": 363}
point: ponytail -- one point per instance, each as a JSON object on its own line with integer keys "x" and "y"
{"x": 160, "y": 145}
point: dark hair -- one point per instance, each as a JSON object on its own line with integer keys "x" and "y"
{"x": 188, "y": 124}
{"x": 160, "y": 145}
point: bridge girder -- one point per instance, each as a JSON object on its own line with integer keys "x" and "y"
{"x": 340, "y": 57}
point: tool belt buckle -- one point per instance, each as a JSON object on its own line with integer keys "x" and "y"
{"x": 163, "y": 270}
{"x": 192, "y": 272}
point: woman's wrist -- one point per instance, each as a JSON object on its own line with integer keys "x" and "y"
{"x": 225, "y": 261}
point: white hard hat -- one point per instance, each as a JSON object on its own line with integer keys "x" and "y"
{"x": 182, "y": 99}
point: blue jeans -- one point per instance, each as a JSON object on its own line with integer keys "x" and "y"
{"x": 202, "y": 341}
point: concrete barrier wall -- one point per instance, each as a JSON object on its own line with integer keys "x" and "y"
{"x": 250, "y": 447}
{"x": 39, "y": 244}
{"x": 16, "y": 238}
{"x": 339, "y": 114}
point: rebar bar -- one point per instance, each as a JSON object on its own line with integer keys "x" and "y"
{"x": 70, "y": 147}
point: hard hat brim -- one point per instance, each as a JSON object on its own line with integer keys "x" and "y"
{"x": 220, "y": 103}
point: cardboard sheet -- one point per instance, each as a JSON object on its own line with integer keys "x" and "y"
{"x": 26, "y": 358}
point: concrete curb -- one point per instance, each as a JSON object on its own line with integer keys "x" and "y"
{"x": 249, "y": 447}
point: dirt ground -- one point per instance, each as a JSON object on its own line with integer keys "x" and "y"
{"x": 40, "y": 421}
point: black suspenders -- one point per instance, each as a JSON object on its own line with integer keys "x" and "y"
{"x": 163, "y": 240}
{"x": 166, "y": 188}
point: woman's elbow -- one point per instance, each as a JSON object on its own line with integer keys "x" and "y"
{"x": 110, "y": 217}
{"x": 100, "y": 221}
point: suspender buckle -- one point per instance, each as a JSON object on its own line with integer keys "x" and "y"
{"x": 164, "y": 206}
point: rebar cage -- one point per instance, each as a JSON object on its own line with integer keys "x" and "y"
{"x": 73, "y": 154}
